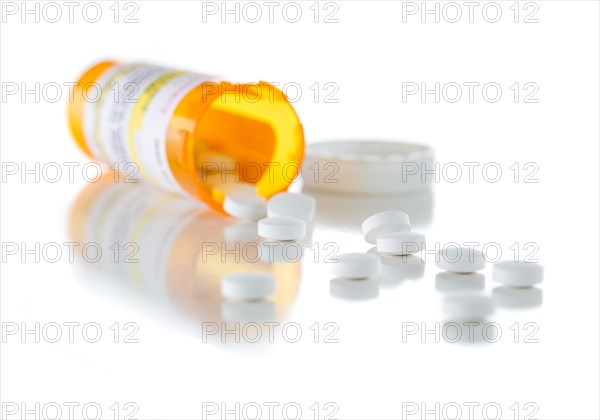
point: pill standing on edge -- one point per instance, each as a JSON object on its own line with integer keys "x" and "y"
{"x": 282, "y": 228}
{"x": 285, "y": 204}
{"x": 460, "y": 260}
{"x": 356, "y": 265}
{"x": 247, "y": 285}
{"x": 245, "y": 203}
{"x": 518, "y": 273}
{"x": 400, "y": 243}
{"x": 384, "y": 222}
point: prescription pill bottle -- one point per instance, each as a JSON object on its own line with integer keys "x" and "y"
{"x": 187, "y": 133}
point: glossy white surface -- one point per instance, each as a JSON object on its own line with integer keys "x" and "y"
{"x": 374, "y": 349}
{"x": 355, "y": 265}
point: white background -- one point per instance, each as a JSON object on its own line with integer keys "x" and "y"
{"x": 371, "y": 372}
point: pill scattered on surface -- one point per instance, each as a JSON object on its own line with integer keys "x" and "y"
{"x": 244, "y": 203}
{"x": 282, "y": 228}
{"x": 384, "y": 222}
{"x": 468, "y": 305}
{"x": 447, "y": 281}
{"x": 460, "y": 260}
{"x": 356, "y": 265}
{"x": 247, "y": 285}
{"x": 300, "y": 206}
{"x": 400, "y": 243}
{"x": 518, "y": 273}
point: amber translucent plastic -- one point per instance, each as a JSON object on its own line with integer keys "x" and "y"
{"x": 240, "y": 127}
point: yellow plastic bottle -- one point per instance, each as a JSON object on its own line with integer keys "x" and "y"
{"x": 185, "y": 132}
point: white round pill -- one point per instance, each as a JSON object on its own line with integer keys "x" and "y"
{"x": 247, "y": 285}
{"x": 468, "y": 305}
{"x": 245, "y": 203}
{"x": 282, "y": 228}
{"x": 400, "y": 243}
{"x": 518, "y": 273}
{"x": 384, "y": 222}
{"x": 460, "y": 260}
{"x": 285, "y": 204}
{"x": 356, "y": 265}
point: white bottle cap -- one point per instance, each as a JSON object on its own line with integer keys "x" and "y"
{"x": 367, "y": 167}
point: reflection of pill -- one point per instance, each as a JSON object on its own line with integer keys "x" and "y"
{"x": 282, "y": 228}
{"x": 460, "y": 260}
{"x": 248, "y": 285}
{"x": 518, "y": 273}
{"x": 400, "y": 243}
{"x": 447, "y": 281}
{"x": 244, "y": 203}
{"x": 468, "y": 305}
{"x": 300, "y": 206}
{"x": 355, "y": 265}
{"x": 348, "y": 289}
{"x": 244, "y": 312}
{"x": 240, "y": 231}
{"x": 394, "y": 270}
{"x": 384, "y": 222}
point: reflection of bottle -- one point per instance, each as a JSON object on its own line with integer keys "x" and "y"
{"x": 157, "y": 243}
{"x": 185, "y": 132}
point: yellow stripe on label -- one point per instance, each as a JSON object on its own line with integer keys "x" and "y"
{"x": 137, "y": 117}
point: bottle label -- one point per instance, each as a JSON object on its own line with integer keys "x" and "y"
{"x": 126, "y": 124}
